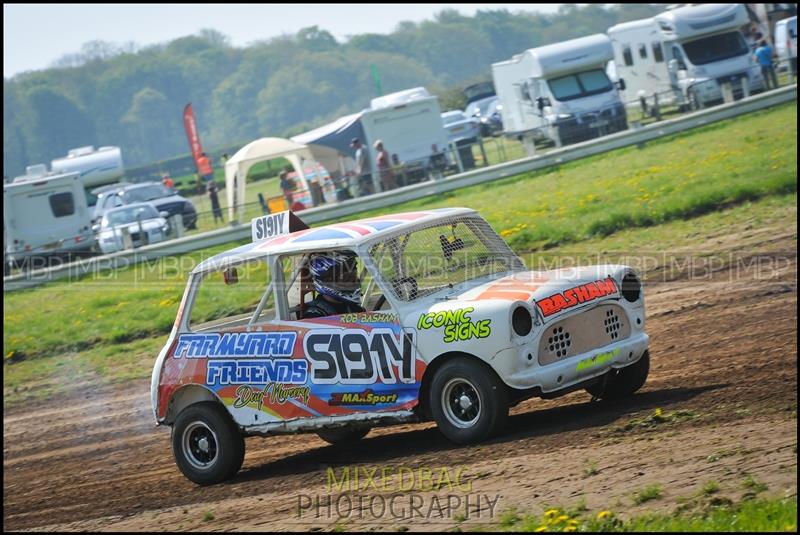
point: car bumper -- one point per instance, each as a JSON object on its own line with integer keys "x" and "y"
{"x": 575, "y": 369}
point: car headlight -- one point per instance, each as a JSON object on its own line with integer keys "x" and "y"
{"x": 563, "y": 116}
{"x": 521, "y": 321}
{"x": 631, "y": 287}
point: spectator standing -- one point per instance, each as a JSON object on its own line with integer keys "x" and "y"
{"x": 363, "y": 169}
{"x": 213, "y": 195}
{"x": 204, "y": 163}
{"x": 384, "y": 167}
{"x": 287, "y": 187}
{"x": 167, "y": 181}
{"x": 763, "y": 56}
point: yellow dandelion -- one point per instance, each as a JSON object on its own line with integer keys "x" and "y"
{"x": 658, "y": 412}
{"x": 562, "y": 518}
{"x": 570, "y": 528}
{"x": 540, "y": 529}
{"x": 573, "y": 522}
{"x": 602, "y": 515}
{"x": 550, "y": 513}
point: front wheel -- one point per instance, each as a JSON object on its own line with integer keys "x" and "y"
{"x": 624, "y": 382}
{"x": 206, "y": 443}
{"x": 343, "y": 435}
{"x": 468, "y": 402}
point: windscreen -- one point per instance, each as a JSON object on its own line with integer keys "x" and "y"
{"x": 579, "y": 85}
{"x": 715, "y": 48}
{"x": 453, "y": 118}
{"x": 131, "y": 215}
{"x": 438, "y": 257}
{"x": 144, "y": 194}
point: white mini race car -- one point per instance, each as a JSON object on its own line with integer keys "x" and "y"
{"x": 454, "y": 329}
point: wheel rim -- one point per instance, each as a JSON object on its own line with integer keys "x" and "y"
{"x": 461, "y": 403}
{"x": 199, "y": 445}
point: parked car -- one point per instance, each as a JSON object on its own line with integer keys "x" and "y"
{"x": 163, "y": 199}
{"x": 106, "y": 198}
{"x": 452, "y": 328}
{"x": 460, "y": 127}
{"x": 143, "y": 222}
{"x": 488, "y": 112}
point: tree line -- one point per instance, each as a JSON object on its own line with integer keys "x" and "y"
{"x": 133, "y": 97}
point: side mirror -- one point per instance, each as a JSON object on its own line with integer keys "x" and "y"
{"x": 230, "y": 275}
{"x": 96, "y": 228}
{"x": 621, "y": 84}
{"x": 164, "y": 214}
{"x": 541, "y": 102}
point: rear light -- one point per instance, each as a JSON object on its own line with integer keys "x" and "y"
{"x": 77, "y": 239}
{"x": 27, "y": 247}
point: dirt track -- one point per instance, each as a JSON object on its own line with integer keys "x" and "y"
{"x": 723, "y": 347}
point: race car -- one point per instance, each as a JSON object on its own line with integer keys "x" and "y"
{"x": 448, "y": 325}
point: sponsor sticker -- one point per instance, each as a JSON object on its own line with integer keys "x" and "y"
{"x": 458, "y": 325}
{"x": 576, "y": 296}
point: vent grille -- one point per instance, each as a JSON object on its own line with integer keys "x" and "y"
{"x": 559, "y": 342}
{"x": 583, "y": 332}
{"x": 612, "y": 324}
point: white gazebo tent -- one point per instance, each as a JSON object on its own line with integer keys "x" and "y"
{"x": 266, "y": 148}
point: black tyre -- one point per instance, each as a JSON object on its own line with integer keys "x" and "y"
{"x": 623, "y": 382}
{"x": 343, "y": 435}
{"x": 468, "y": 402}
{"x": 206, "y": 443}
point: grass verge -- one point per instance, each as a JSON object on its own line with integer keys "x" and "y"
{"x": 751, "y": 515}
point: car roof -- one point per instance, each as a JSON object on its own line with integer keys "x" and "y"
{"x": 345, "y": 235}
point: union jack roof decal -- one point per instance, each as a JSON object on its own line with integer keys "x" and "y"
{"x": 346, "y": 234}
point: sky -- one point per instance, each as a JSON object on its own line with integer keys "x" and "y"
{"x": 35, "y": 35}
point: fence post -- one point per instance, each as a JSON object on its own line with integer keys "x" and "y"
{"x": 457, "y": 156}
{"x": 176, "y": 225}
{"x": 529, "y": 145}
{"x": 483, "y": 151}
{"x": 656, "y": 107}
{"x": 127, "y": 242}
{"x": 727, "y": 92}
{"x": 142, "y": 235}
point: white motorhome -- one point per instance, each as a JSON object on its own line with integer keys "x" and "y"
{"x": 685, "y": 54}
{"x": 45, "y": 215}
{"x": 96, "y": 167}
{"x": 560, "y": 91}
{"x": 408, "y": 122}
{"x": 786, "y": 43}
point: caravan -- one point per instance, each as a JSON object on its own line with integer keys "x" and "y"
{"x": 45, "y": 215}
{"x": 685, "y": 55}
{"x": 560, "y": 92}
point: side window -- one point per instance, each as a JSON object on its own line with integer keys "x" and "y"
{"x": 658, "y": 54}
{"x": 627, "y": 55}
{"x": 62, "y": 204}
{"x": 300, "y": 290}
{"x": 230, "y": 297}
{"x": 643, "y": 51}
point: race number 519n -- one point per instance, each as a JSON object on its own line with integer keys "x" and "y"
{"x": 358, "y": 357}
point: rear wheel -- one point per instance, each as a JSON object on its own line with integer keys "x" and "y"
{"x": 623, "y": 382}
{"x": 207, "y": 445}
{"x": 468, "y": 402}
{"x": 343, "y": 435}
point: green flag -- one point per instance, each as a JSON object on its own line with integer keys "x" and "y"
{"x": 376, "y": 77}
